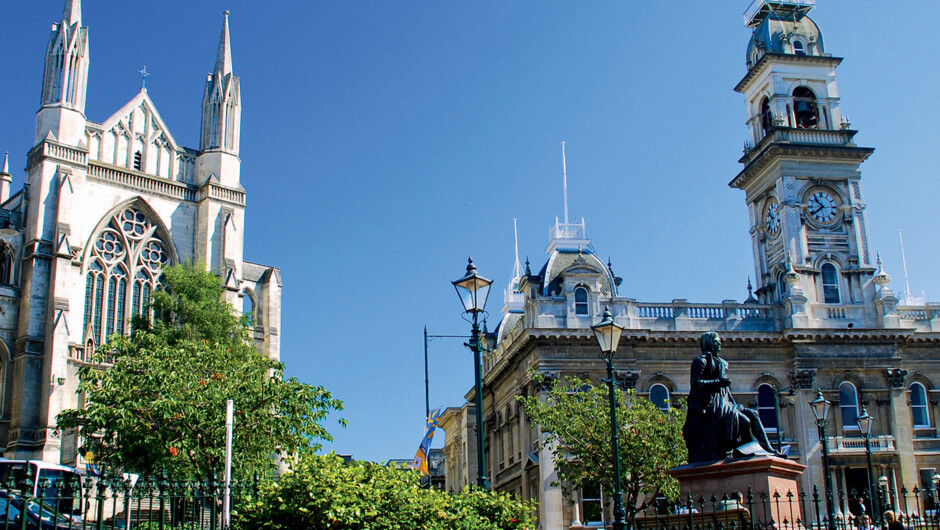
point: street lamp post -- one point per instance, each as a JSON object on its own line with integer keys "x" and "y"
{"x": 883, "y": 486}
{"x": 472, "y": 290}
{"x": 820, "y": 408}
{"x": 864, "y": 424}
{"x": 608, "y": 336}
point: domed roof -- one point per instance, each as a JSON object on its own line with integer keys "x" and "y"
{"x": 786, "y": 33}
{"x": 562, "y": 261}
{"x": 508, "y": 323}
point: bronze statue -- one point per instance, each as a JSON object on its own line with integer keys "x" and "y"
{"x": 716, "y": 427}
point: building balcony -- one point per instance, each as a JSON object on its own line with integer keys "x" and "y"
{"x": 847, "y": 445}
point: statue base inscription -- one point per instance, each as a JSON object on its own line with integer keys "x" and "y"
{"x": 765, "y": 475}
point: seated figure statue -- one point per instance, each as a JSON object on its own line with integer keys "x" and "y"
{"x": 716, "y": 426}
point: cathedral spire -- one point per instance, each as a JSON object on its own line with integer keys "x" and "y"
{"x": 221, "y": 118}
{"x": 65, "y": 78}
{"x": 72, "y": 13}
{"x": 223, "y": 61}
{"x": 221, "y": 105}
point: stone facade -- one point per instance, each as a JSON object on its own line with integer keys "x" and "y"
{"x": 821, "y": 315}
{"x": 105, "y": 207}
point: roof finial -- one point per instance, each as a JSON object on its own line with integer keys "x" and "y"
{"x": 528, "y": 271}
{"x": 223, "y": 62}
{"x": 564, "y": 172}
{"x": 144, "y": 74}
{"x": 6, "y": 164}
{"x": 881, "y": 278}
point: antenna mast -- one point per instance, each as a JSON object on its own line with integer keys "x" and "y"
{"x": 907, "y": 284}
{"x": 564, "y": 172}
{"x": 516, "y": 267}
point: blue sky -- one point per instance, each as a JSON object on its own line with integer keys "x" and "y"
{"x": 384, "y": 141}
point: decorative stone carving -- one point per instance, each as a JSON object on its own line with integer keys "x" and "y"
{"x": 548, "y": 379}
{"x": 627, "y": 379}
{"x": 895, "y": 377}
{"x": 802, "y": 379}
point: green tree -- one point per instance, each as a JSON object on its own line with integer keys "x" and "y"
{"x": 156, "y": 400}
{"x": 327, "y": 493}
{"x": 575, "y": 416}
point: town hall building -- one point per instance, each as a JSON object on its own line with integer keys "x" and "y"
{"x": 105, "y": 207}
{"x": 820, "y": 314}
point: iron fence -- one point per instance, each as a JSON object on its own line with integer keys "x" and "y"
{"x": 915, "y": 509}
{"x": 102, "y": 503}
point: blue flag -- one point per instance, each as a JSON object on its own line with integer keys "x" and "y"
{"x": 420, "y": 461}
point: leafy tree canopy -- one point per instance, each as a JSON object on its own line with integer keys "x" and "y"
{"x": 327, "y": 493}
{"x": 575, "y": 416}
{"x": 156, "y": 400}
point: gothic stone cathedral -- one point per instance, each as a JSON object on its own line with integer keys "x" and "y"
{"x": 821, "y": 315}
{"x": 105, "y": 207}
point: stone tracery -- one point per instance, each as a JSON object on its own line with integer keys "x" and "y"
{"x": 127, "y": 250}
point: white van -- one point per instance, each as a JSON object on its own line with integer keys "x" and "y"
{"x": 68, "y": 501}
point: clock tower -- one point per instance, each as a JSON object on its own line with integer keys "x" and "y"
{"x": 801, "y": 175}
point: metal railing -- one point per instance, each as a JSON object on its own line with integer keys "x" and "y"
{"x": 115, "y": 503}
{"x": 915, "y": 509}
{"x": 759, "y": 7}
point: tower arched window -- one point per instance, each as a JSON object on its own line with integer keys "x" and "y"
{"x": 919, "y": 406}
{"x": 581, "y": 302}
{"x": 781, "y": 287}
{"x": 124, "y": 268}
{"x": 766, "y": 117}
{"x": 767, "y": 406}
{"x": 659, "y": 395}
{"x": 6, "y": 264}
{"x": 848, "y": 405}
{"x": 799, "y": 48}
{"x": 830, "y": 283}
{"x": 805, "y": 108}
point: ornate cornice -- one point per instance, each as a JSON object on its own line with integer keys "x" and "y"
{"x": 766, "y": 59}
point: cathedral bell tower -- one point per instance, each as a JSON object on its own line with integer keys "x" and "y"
{"x": 801, "y": 174}
{"x": 218, "y": 172}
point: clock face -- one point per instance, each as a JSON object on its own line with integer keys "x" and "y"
{"x": 772, "y": 218}
{"x": 822, "y": 207}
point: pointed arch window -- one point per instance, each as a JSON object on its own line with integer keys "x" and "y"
{"x": 248, "y": 307}
{"x": 6, "y": 264}
{"x": 848, "y": 404}
{"x": 125, "y": 265}
{"x": 767, "y": 406}
{"x": 581, "y": 302}
{"x": 919, "y": 406}
{"x": 781, "y": 287}
{"x": 830, "y": 283}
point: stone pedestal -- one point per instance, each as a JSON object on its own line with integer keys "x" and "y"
{"x": 765, "y": 475}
